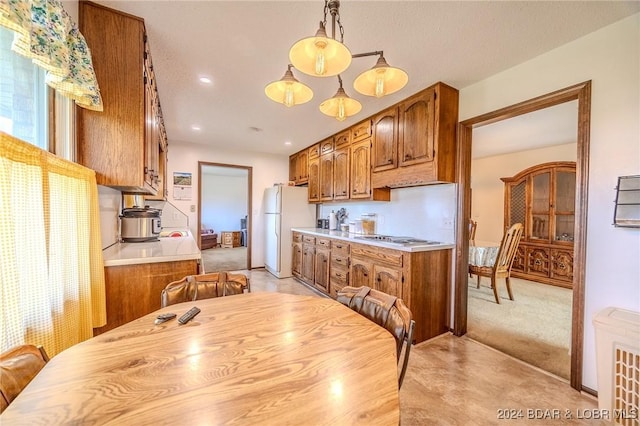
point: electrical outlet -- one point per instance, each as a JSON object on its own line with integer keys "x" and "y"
{"x": 447, "y": 223}
{"x": 193, "y": 208}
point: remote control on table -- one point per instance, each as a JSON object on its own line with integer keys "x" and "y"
{"x": 164, "y": 318}
{"x": 188, "y": 316}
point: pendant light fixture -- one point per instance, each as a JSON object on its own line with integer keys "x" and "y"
{"x": 324, "y": 56}
{"x": 288, "y": 91}
{"x": 341, "y": 105}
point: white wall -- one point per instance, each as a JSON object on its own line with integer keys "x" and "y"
{"x": 487, "y": 190}
{"x": 610, "y": 59}
{"x": 267, "y": 169}
{"x": 224, "y": 202}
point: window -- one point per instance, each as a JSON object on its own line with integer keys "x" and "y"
{"x": 23, "y": 95}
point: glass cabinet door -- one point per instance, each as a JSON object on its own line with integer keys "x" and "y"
{"x": 540, "y": 206}
{"x": 564, "y": 205}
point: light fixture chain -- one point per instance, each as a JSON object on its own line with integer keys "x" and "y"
{"x": 326, "y": 9}
{"x": 341, "y": 28}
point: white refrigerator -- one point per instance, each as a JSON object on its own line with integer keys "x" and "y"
{"x": 286, "y": 207}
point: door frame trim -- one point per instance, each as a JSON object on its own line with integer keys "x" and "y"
{"x": 249, "y": 170}
{"x": 582, "y": 93}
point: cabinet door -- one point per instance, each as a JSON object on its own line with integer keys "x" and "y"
{"x": 296, "y": 259}
{"x": 314, "y": 180}
{"x": 540, "y": 226}
{"x": 293, "y": 167}
{"x": 562, "y": 265}
{"x": 303, "y": 167}
{"x": 341, "y": 174}
{"x": 361, "y": 272}
{"x": 321, "y": 276}
{"x": 361, "y": 169}
{"x": 326, "y": 146}
{"x": 308, "y": 263}
{"x": 361, "y": 131}
{"x": 385, "y": 140}
{"x": 538, "y": 261}
{"x": 388, "y": 280}
{"x": 564, "y": 204}
{"x": 326, "y": 177}
{"x": 416, "y": 129}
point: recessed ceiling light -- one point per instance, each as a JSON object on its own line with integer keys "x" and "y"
{"x": 205, "y": 80}
{"x": 195, "y": 127}
{"x": 287, "y": 143}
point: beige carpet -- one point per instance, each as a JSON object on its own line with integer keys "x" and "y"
{"x": 535, "y": 327}
{"x": 224, "y": 259}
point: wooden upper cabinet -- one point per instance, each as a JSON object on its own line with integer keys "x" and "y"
{"x": 341, "y": 168}
{"x": 293, "y": 167}
{"x": 342, "y": 139}
{"x": 302, "y": 164}
{"x": 314, "y": 180}
{"x": 385, "y": 140}
{"x": 416, "y": 130}
{"x": 326, "y": 146}
{"x": 326, "y": 177}
{"x": 118, "y": 141}
{"x": 426, "y": 140}
{"x": 361, "y": 130}
{"x": 299, "y": 167}
{"x": 361, "y": 169}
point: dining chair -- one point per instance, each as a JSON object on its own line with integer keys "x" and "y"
{"x": 472, "y": 229}
{"x": 18, "y": 366}
{"x": 502, "y": 266}
{"x": 204, "y": 286}
{"x": 389, "y": 312}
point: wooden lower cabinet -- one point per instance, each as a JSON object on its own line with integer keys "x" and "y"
{"x": 321, "y": 277}
{"x": 420, "y": 279}
{"x": 133, "y": 291}
{"x": 230, "y": 239}
{"x": 296, "y": 253}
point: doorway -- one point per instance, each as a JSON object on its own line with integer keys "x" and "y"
{"x": 224, "y": 206}
{"x": 582, "y": 93}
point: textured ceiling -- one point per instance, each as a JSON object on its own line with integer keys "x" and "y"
{"x": 243, "y": 45}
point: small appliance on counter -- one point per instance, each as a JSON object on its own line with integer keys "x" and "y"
{"x": 140, "y": 224}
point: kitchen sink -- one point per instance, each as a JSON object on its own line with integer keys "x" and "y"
{"x": 397, "y": 240}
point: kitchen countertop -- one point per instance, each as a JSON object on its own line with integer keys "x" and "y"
{"x": 166, "y": 249}
{"x": 353, "y": 238}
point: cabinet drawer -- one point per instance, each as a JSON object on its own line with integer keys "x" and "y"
{"x": 323, "y": 242}
{"x": 361, "y": 131}
{"x": 342, "y": 139}
{"x": 377, "y": 254}
{"x": 340, "y": 275}
{"x": 335, "y": 287}
{"x": 338, "y": 259}
{"x": 326, "y": 146}
{"x": 297, "y": 237}
{"x": 340, "y": 247}
{"x": 308, "y": 239}
{"x": 314, "y": 151}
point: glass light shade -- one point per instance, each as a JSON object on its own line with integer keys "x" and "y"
{"x": 381, "y": 80}
{"x": 340, "y": 106}
{"x": 288, "y": 91}
{"x": 320, "y": 56}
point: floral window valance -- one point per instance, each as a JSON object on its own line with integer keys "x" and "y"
{"x": 45, "y": 32}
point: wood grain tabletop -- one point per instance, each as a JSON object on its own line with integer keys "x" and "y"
{"x": 255, "y": 358}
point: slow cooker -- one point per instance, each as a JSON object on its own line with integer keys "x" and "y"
{"x": 139, "y": 225}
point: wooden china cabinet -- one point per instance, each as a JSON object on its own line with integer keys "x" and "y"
{"x": 542, "y": 198}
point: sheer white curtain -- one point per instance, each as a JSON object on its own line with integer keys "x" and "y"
{"x": 51, "y": 269}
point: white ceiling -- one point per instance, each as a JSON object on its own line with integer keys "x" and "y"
{"x": 243, "y": 45}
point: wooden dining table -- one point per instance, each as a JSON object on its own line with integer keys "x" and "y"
{"x": 253, "y": 358}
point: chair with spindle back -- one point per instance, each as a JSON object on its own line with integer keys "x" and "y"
{"x": 502, "y": 266}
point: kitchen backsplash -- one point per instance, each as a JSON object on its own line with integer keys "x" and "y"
{"x": 427, "y": 212}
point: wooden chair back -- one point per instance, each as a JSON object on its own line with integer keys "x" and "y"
{"x": 204, "y": 286}
{"x": 388, "y": 312}
{"x": 18, "y": 366}
{"x": 472, "y": 229}
{"x": 508, "y": 248}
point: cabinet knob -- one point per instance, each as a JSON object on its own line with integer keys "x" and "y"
{"x": 390, "y": 161}
{"x": 408, "y": 157}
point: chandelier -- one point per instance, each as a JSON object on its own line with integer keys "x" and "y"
{"x": 323, "y": 56}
